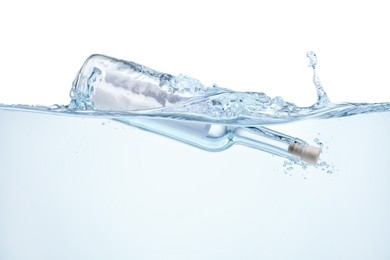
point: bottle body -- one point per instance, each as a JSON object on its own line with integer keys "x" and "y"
{"x": 210, "y": 137}
{"x": 107, "y": 83}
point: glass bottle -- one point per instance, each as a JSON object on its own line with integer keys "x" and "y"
{"x": 105, "y": 83}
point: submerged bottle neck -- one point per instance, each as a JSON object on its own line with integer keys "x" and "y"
{"x": 276, "y": 143}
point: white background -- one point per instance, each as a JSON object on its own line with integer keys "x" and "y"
{"x": 245, "y": 45}
{"x": 78, "y": 189}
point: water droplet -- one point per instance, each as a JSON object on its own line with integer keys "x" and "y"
{"x": 313, "y": 59}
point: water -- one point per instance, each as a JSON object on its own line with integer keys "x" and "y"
{"x": 79, "y": 188}
{"x": 76, "y": 182}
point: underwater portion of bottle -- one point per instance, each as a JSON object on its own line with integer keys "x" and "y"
{"x": 106, "y": 83}
{"x": 214, "y": 137}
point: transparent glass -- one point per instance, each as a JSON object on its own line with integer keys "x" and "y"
{"x": 108, "y": 84}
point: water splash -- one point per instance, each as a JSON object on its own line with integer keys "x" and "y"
{"x": 148, "y": 93}
{"x": 132, "y": 93}
{"x": 322, "y": 97}
{"x": 182, "y": 97}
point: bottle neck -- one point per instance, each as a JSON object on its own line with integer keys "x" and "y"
{"x": 276, "y": 143}
{"x": 260, "y": 139}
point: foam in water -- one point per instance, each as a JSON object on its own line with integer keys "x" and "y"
{"x": 211, "y": 118}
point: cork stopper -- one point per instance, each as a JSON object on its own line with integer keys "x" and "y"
{"x": 307, "y": 153}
